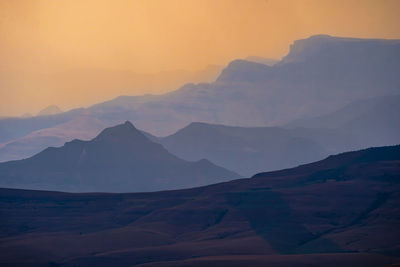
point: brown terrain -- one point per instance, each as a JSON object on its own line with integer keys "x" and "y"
{"x": 343, "y": 210}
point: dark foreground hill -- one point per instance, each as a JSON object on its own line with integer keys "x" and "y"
{"x": 342, "y": 211}
{"x": 119, "y": 159}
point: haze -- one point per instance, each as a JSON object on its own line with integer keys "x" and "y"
{"x": 76, "y": 53}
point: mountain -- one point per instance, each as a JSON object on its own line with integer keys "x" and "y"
{"x": 341, "y": 211}
{"x": 119, "y": 159}
{"x": 248, "y": 150}
{"x": 262, "y": 60}
{"x": 374, "y": 121}
{"x": 87, "y": 86}
{"x": 319, "y": 75}
{"x": 15, "y": 128}
{"x": 50, "y": 110}
{"x": 360, "y": 124}
{"x": 80, "y": 127}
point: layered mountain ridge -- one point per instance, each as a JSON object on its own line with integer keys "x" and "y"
{"x": 248, "y": 150}
{"x": 319, "y": 75}
{"x": 119, "y": 159}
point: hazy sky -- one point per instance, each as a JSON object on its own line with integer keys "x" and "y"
{"x": 47, "y": 37}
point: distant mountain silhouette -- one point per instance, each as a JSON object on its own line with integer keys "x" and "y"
{"x": 319, "y": 75}
{"x": 341, "y": 211}
{"x": 262, "y": 60}
{"x": 374, "y": 121}
{"x": 360, "y": 124}
{"x": 119, "y": 159}
{"x": 247, "y": 150}
{"x": 50, "y": 110}
{"x": 15, "y": 128}
{"x": 81, "y": 127}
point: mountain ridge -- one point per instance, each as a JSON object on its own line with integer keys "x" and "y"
{"x": 318, "y": 213}
{"x": 256, "y": 148}
{"x": 81, "y": 127}
{"x": 119, "y": 159}
{"x": 254, "y": 94}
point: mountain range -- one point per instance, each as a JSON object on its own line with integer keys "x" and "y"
{"x": 89, "y": 85}
{"x": 361, "y": 124}
{"x": 119, "y": 159}
{"x": 80, "y": 127}
{"x": 374, "y": 121}
{"x": 248, "y": 150}
{"x": 341, "y": 211}
{"x": 320, "y": 75}
{"x": 259, "y": 116}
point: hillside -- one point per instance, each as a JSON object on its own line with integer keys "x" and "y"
{"x": 341, "y": 211}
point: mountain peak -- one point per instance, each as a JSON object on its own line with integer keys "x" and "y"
{"x": 119, "y": 159}
{"x": 129, "y": 124}
{"x": 244, "y": 71}
{"x": 122, "y": 133}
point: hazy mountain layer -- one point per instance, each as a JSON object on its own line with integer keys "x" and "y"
{"x": 82, "y": 127}
{"x": 319, "y": 75}
{"x": 374, "y": 121}
{"x": 248, "y": 150}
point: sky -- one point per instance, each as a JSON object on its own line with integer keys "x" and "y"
{"x": 74, "y": 53}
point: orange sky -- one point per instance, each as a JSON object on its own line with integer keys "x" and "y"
{"x": 51, "y": 37}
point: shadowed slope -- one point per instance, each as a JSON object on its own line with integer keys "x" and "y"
{"x": 267, "y": 219}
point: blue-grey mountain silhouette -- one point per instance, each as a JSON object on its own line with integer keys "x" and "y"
{"x": 80, "y": 127}
{"x": 319, "y": 75}
{"x": 119, "y": 159}
{"x": 248, "y": 150}
{"x": 374, "y": 121}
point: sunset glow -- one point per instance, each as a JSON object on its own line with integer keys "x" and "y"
{"x": 47, "y": 48}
